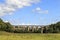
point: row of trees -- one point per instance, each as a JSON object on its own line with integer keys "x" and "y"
{"x": 53, "y": 28}
{"x": 27, "y": 30}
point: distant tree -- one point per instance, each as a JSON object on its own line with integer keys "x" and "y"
{"x": 57, "y": 27}
{"x": 2, "y": 25}
{"x": 45, "y": 30}
{"x": 9, "y": 27}
{"x": 36, "y": 30}
{"x": 54, "y": 28}
{"x": 16, "y": 31}
{"x": 39, "y": 30}
{"x": 27, "y": 29}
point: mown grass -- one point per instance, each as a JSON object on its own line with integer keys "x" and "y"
{"x": 28, "y": 36}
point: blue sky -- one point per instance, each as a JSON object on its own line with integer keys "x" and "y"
{"x": 41, "y": 12}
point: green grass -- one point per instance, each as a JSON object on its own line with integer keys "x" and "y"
{"x": 28, "y": 36}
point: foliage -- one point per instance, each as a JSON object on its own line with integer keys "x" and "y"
{"x": 6, "y": 26}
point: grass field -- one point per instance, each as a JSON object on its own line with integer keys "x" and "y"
{"x": 28, "y": 36}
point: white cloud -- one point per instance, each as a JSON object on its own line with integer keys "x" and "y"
{"x": 4, "y": 10}
{"x": 11, "y": 5}
{"x": 6, "y": 21}
{"x": 39, "y": 10}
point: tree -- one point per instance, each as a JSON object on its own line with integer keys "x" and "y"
{"x": 2, "y": 25}
{"x": 9, "y": 27}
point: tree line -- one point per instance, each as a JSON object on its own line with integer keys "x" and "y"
{"x": 52, "y": 28}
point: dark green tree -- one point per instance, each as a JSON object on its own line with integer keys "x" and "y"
{"x": 9, "y": 27}
{"x": 2, "y": 25}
